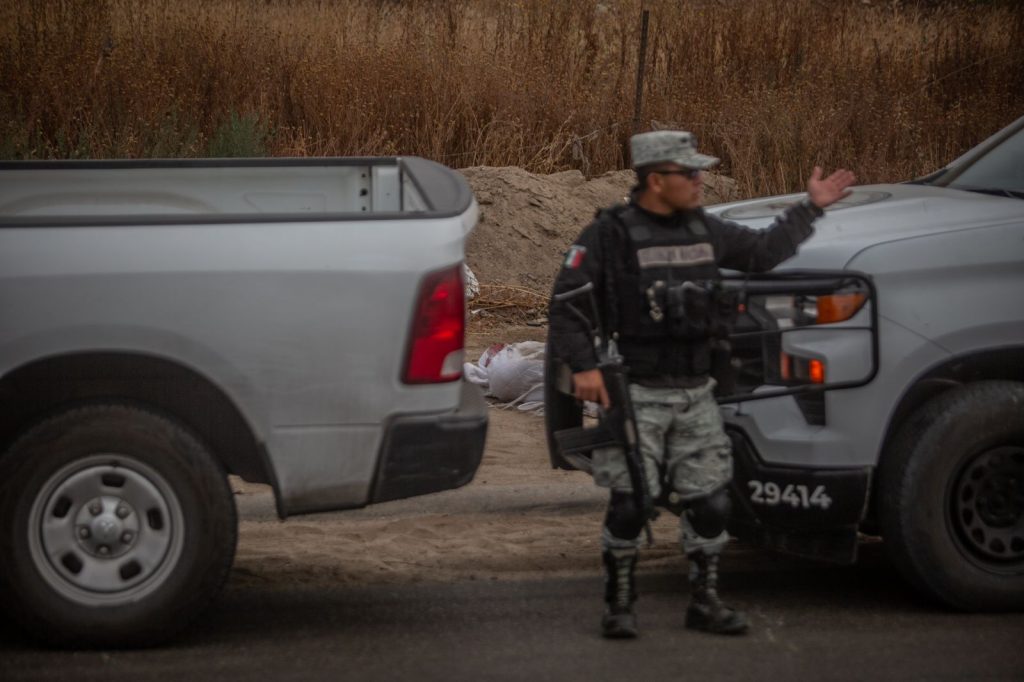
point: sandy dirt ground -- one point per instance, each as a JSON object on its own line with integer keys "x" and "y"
{"x": 518, "y": 519}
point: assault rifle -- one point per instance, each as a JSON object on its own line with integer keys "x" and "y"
{"x": 617, "y": 424}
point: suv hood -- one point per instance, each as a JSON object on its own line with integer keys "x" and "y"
{"x": 875, "y": 214}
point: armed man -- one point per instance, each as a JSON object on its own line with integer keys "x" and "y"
{"x": 651, "y": 269}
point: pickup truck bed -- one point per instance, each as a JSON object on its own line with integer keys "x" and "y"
{"x": 300, "y": 322}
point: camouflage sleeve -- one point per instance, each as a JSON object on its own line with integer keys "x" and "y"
{"x": 569, "y": 337}
{"x": 742, "y": 248}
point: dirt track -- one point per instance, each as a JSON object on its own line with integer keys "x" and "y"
{"x": 519, "y": 518}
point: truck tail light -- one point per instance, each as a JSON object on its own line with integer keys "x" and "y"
{"x": 438, "y": 329}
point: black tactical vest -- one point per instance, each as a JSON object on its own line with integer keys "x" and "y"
{"x": 662, "y": 311}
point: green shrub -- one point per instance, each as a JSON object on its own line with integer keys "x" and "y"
{"x": 240, "y": 136}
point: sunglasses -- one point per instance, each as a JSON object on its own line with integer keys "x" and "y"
{"x": 690, "y": 173}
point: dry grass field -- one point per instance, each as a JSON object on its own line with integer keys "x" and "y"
{"x": 890, "y": 89}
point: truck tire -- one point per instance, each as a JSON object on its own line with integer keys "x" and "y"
{"x": 951, "y": 497}
{"x": 118, "y": 527}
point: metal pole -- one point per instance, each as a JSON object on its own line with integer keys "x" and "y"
{"x": 638, "y": 103}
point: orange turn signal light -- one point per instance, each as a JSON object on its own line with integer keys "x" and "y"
{"x": 805, "y": 370}
{"x": 839, "y": 307}
{"x": 816, "y": 371}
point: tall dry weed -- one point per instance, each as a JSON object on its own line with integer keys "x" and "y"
{"x": 890, "y": 89}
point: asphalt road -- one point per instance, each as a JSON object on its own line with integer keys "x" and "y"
{"x": 810, "y": 622}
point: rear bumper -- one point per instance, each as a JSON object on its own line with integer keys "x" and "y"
{"x": 427, "y": 453}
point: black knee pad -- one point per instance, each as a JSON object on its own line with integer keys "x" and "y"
{"x": 623, "y": 519}
{"x": 708, "y": 515}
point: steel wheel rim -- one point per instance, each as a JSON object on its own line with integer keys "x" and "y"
{"x": 987, "y": 508}
{"x": 105, "y": 530}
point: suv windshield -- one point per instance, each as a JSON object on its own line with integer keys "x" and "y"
{"x": 1001, "y": 171}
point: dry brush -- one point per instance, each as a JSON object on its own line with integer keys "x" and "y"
{"x": 890, "y": 89}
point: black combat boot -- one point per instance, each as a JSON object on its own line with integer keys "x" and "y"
{"x": 618, "y": 621}
{"x": 706, "y": 611}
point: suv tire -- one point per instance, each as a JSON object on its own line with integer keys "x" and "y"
{"x": 951, "y": 497}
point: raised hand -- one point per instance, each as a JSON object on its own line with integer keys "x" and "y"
{"x": 824, "y": 192}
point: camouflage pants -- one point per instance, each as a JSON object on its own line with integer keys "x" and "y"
{"x": 684, "y": 447}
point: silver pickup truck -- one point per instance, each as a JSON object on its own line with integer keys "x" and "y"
{"x": 296, "y": 322}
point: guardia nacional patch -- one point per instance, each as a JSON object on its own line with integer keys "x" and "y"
{"x": 574, "y": 256}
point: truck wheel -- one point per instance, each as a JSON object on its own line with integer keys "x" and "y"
{"x": 951, "y": 497}
{"x": 118, "y": 527}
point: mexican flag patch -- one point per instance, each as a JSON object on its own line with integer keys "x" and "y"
{"x": 574, "y": 256}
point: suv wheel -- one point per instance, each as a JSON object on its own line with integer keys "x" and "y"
{"x": 118, "y": 527}
{"x": 951, "y": 496}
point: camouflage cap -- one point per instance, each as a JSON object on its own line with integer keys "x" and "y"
{"x": 669, "y": 146}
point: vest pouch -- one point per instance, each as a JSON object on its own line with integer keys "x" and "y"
{"x": 688, "y": 310}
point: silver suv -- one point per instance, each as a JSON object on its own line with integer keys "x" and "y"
{"x": 881, "y": 380}
{"x": 877, "y": 381}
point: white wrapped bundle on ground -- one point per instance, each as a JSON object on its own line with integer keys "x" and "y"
{"x": 512, "y": 373}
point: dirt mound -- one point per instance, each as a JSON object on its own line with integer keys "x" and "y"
{"x": 527, "y": 221}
